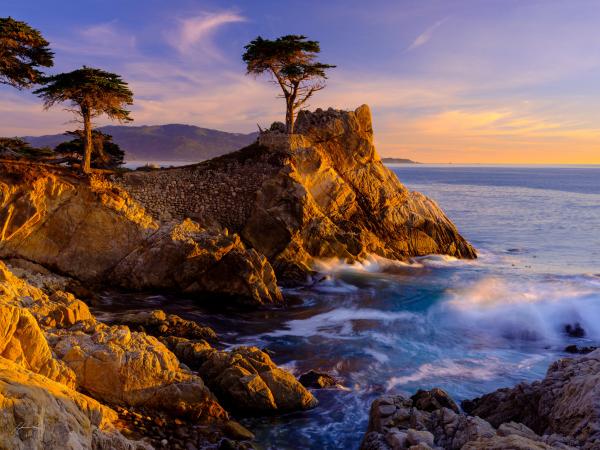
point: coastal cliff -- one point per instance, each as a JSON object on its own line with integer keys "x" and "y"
{"x": 92, "y": 230}
{"x": 235, "y": 225}
{"x": 320, "y": 193}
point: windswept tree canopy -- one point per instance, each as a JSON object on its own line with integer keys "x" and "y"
{"x": 89, "y": 89}
{"x": 22, "y": 51}
{"x": 291, "y": 61}
{"x": 90, "y": 92}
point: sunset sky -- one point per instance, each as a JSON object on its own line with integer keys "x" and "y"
{"x": 464, "y": 81}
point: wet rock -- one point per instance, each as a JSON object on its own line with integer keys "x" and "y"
{"x": 433, "y": 399}
{"x": 397, "y": 422}
{"x": 317, "y": 380}
{"x": 237, "y": 431}
{"x": 575, "y": 330}
{"x": 565, "y": 403}
{"x": 579, "y": 350}
{"x": 160, "y": 324}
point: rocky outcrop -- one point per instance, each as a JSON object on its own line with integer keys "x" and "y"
{"x": 565, "y": 402}
{"x": 94, "y": 231}
{"x": 119, "y": 367}
{"x": 335, "y": 198}
{"x": 39, "y": 408}
{"x": 320, "y": 193}
{"x": 397, "y": 422}
{"x": 246, "y": 379}
{"x": 38, "y": 413}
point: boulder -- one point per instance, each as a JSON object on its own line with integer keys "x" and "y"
{"x": 23, "y": 342}
{"x": 317, "y": 380}
{"x": 249, "y": 382}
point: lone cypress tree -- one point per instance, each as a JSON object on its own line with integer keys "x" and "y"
{"x": 291, "y": 61}
{"x": 92, "y": 92}
{"x": 22, "y": 50}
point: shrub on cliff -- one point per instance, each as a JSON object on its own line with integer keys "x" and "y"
{"x": 17, "y": 148}
{"x": 92, "y": 92}
{"x": 106, "y": 153}
{"x": 22, "y": 51}
{"x": 291, "y": 61}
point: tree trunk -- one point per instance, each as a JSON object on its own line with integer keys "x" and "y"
{"x": 289, "y": 116}
{"x": 87, "y": 141}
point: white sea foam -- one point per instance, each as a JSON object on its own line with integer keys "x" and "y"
{"x": 337, "y": 322}
{"x": 465, "y": 369}
{"x": 530, "y": 310}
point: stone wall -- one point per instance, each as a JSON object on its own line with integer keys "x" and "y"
{"x": 221, "y": 190}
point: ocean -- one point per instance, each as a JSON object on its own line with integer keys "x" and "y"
{"x": 468, "y": 327}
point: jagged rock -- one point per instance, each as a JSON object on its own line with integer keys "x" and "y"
{"x": 248, "y": 381}
{"x": 206, "y": 261}
{"x": 434, "y": 399}
{"x": 118, "y": 366}
{"x": 37, "y": 413}
{"x": 22, "y": 341}
{"x": 566, "y": 402}
{"x": 334, "y": 198}
{"x": 397, "y": 422}
{"x": 92, "y": 230}
{"x": 317, "y": 380}
{"x": 160, "y": 324}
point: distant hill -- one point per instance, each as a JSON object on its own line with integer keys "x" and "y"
{"x": 398, "y": 161}
{"x": 172, "y": 142}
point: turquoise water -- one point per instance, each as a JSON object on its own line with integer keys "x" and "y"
{"x": 466, "y": 326}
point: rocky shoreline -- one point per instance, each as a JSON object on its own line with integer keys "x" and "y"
{"x": 233, "y": 229}
{"x": 562, "y": 411}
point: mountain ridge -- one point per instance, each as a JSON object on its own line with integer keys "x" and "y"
{"x": 169, "y": 142}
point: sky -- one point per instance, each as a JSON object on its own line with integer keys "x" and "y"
{"x": 461, "y": 81}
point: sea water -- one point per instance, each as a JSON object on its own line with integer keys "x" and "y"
{"x": 468, "y": 327}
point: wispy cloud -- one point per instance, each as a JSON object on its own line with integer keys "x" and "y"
{"x": 99, "y": 40}
{"x": 197, "y": 33}
{"x": 426, "y": 35}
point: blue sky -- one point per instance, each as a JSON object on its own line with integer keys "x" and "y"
{"x": 461, "y": 81}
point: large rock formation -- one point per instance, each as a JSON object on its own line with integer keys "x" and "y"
{"x": 320, "y": 193}
{"x": 565, "y": 402}
{"x": 430, "y": 420}
{"x": 92, "y": 230}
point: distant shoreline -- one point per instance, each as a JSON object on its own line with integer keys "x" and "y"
{"x": 398, "y": 161}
